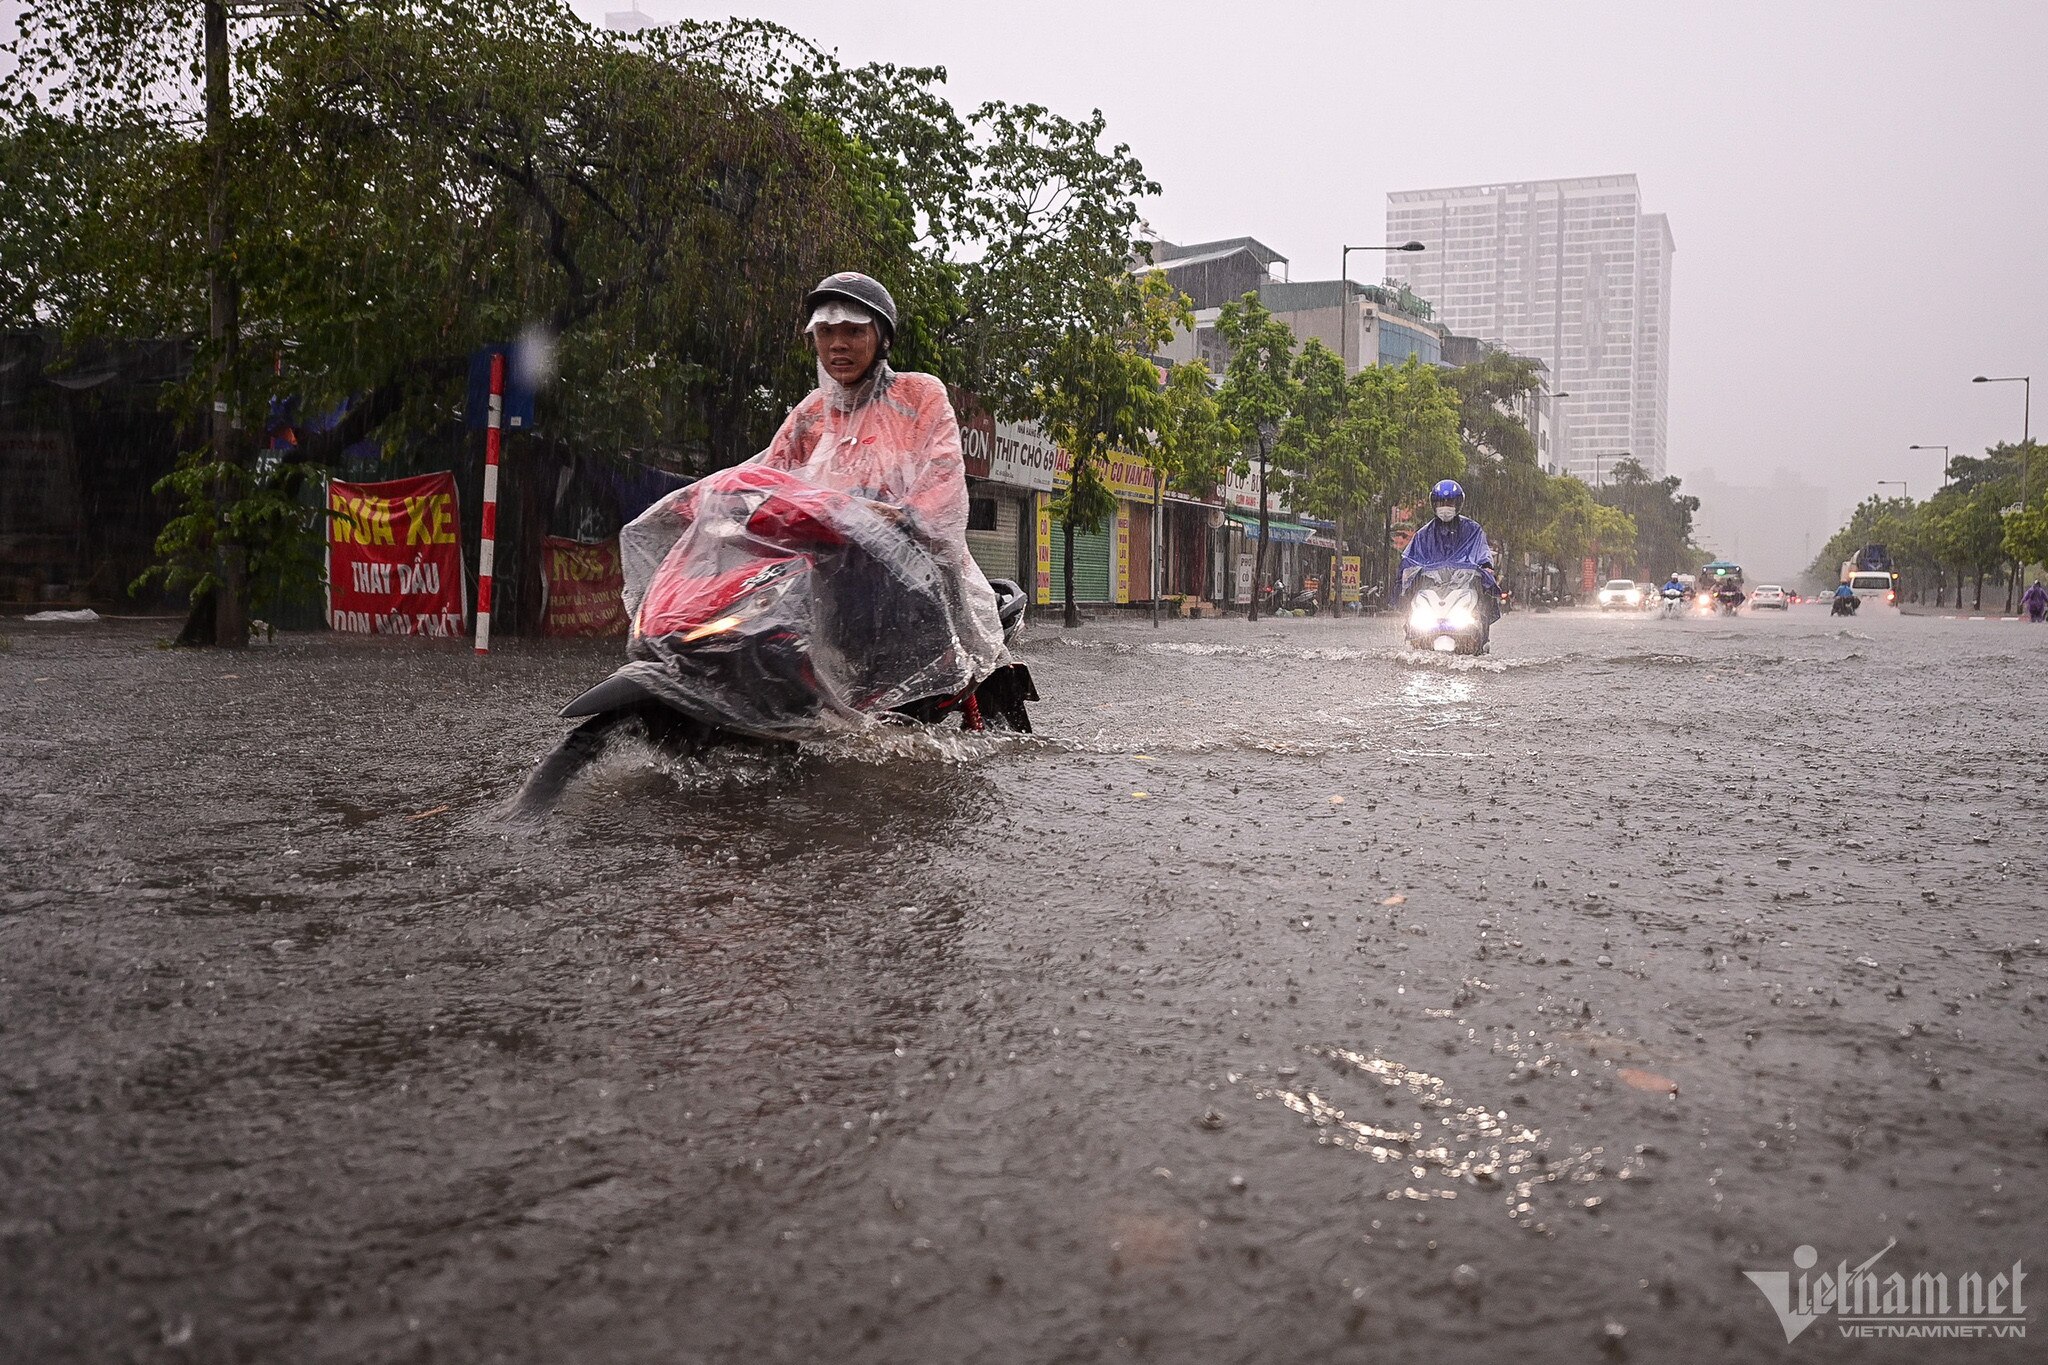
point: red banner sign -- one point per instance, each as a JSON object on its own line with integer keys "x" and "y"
{"x": 586, "y": 587}
{"x": 394, "y": 558}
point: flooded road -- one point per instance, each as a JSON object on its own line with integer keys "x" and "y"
{"x": 1287, "y": 997}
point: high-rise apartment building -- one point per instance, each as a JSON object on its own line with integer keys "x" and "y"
{"x": 1570, "y": 271}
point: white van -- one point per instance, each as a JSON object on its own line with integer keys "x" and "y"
{"x": 1875, "y": 588}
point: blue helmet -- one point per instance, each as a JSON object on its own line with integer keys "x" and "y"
{"x": 1447, "y": 490}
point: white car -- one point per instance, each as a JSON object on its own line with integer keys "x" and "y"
{"x": 1620, "y": 594}
{"x": 1874, "y": 587}
{"x": 1769, "y": 595}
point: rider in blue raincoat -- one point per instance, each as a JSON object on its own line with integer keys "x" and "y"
{"x": 1451, "y": 540}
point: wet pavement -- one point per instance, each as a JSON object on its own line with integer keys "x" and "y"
{"x": 1289, "y": 997}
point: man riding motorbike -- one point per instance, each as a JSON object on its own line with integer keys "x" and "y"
{"x": 1672, "y": 585}
{"x": 891, "y": 440}
{"x": 1845, "y": 601}
{"x": 822, "y": 583}
{"x": 1452, "y": 540}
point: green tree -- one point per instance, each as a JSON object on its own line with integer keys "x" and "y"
{"x": 1579, "y": 527}
{"x": 1021, "y": 215}
{"x": 1100, "y": 394}
{"x": 1423, "y": 415}
{"x": 1192, "y": 450}
{"x": 1505, "y": 482}
{"x": 1662, "y": 516}
{"x": 1347, "y": 479}
{"x": 2026, "y": 536}
{"x": 1258, "y": 396}
{"x": 1306, "y": 443}
{"x": 411, "y": 180}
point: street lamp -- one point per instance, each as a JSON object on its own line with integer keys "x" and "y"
{"x": 1944, "y": 460}
{"x": 2026, "y": 421}
{"x": 1344, "y": 292}
{"x": 1555, "y": 464}
{"x": 1899, "y": 484}
{"x": 1596, "y": 464}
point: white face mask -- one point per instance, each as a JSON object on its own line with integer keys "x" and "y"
{"x": 1446, "y": 514}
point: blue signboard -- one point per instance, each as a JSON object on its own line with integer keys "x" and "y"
{"x": 518, "y": 391}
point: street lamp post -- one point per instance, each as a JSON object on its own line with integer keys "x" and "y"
{"x": 2026, "y": 421}
{"x": 1344, "y": 293}
{"x": 1944, "y": 460}
{"x": 1899, "y": 484}
{"x": 1553, "y": 465}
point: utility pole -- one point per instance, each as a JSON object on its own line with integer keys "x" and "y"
{"x": 223, "y": 294}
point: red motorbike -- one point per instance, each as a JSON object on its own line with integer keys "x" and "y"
{"x": 783, "y": 611}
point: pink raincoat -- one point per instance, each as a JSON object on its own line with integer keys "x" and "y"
{"x": 893, "y": 442}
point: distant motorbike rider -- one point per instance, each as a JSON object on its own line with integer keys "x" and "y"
{"x": 2036, "y": 602}
{"x": 1673, "y": 588}
{"x": 1452, "y": 540}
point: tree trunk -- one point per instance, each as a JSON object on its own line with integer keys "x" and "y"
{"x": 1259, "y": 563}
{"x": 230, "y": 601}
{"x": 1073, "y": 616}
{"x": 1977, "y": 601}
{"x": 1158, "y": 540}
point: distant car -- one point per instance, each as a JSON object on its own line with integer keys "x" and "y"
{"x": 1620, "y": 594}
{"x": 1876, "y": 589}
{"x": 1769, "y": 595}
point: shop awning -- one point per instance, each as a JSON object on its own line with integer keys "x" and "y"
{"x": 1278, "y": 529}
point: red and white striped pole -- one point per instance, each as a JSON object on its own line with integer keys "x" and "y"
{"x": 487, "y": 553}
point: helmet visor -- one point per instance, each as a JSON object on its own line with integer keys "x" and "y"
{"x": 837, "y": 310}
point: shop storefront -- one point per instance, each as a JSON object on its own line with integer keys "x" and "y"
{"x": 1188, "y": 527}
{"x": 996, "y": 529}
{"x": 1007, "y": 466}
{"x": 1289, "y": 556}
{"x": 1013, "y": 475}
{"x": 1105, "y": 559}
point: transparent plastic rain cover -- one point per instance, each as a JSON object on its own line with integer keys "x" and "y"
{"x": 823, "y": 582}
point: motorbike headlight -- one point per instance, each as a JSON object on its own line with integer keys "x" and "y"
{"x": 1462, "y": 618}
{"x": 1423, "y": 614}
{"x": 718, "y": 627}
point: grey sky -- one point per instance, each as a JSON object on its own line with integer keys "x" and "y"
{"x": 1856, "y": 188}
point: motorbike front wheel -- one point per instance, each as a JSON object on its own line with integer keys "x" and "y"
{"x": 670, "y": 731}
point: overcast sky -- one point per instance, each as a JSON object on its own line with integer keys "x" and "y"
{"x": 1859, "y": 190}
